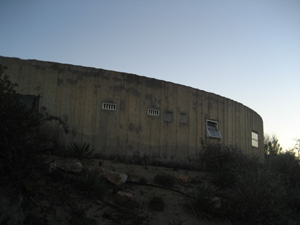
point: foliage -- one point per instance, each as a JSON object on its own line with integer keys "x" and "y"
{"x": 157, "y": 203}
{"x": 223, "y": 179}
{"x": 11, "y": 212}
{"x": 176, "y": 222}
{"x": 286, "y": 167}
{"x": 165, "y": 179}
{"x": 296, "y": 148}
{"x": 20, "y": 136}
{"x": 80, "y": 151}
{"x": 259, "y": 198}
{"x": 271, "y": 145}
{"x": 91, "y": 184}
{"x": 219, "y": 158}
{"x": 143, "y": 180}
{"x": 257, "y": 193}
{"x": 204, "y": 202}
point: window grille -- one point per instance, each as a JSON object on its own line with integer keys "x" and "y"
{"x": 153, "y": 112}
{"x": 109, "y": 106}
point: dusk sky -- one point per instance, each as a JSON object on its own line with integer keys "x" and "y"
{"x": 248, "y": 51}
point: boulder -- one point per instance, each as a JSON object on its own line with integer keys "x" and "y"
{"x": 116, "y": 178}
{"x": 69, "y": 166}
{"x": 124, "y": 197}
{"x": 182, "y": 180}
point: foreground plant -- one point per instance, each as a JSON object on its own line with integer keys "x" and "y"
{"x": 80, "y": 151}
{"x": 204, "y": 202}
{"x": 89, "y": 183}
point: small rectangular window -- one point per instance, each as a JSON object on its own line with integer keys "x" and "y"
{"x": 109, "y": 106}
{"x": 183, "y": 118}
{"x": 30, "y": 104}
{"x": 153, "y": 112}
{"x": 212, "y": 128}
{"x": 168, "y": 117}
{"x": 254, "y": 136}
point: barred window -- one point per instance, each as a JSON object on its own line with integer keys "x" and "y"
{"x": 109, "y": 106}
{"x": 153, "y": 112}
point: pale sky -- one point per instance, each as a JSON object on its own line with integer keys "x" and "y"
{"x": 245, "y": 50}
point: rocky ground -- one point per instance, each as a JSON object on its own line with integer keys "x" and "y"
{"x": 138, "y": 201}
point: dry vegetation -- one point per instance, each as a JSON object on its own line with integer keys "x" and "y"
{"x": 66, "y": 186}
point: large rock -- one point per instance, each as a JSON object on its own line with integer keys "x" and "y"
{"x": 116, "y": 178}
{"x": 70, "y": 166}
{"x": 182, "y": 180}
{"x": 123, "y": 197}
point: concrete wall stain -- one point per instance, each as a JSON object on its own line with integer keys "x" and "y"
{"x": 76, "y": 94}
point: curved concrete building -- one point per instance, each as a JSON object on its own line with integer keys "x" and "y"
{"x": 126, "y": 114}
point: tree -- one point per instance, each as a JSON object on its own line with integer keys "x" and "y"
{"x": 272, "y": 146}
{"x": 296, "y": 148}
{"x": 20, "y": 137}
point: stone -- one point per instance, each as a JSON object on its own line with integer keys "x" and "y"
{"x": 182, "y": 180}
{"x": 69, "y": 166}
{"x": 100, "y": 171}
{"x": 116, "y": 178}
{"x": 51, "y": 166}
{"x": 216, "y": 202}
{"x": 123, "y": 197}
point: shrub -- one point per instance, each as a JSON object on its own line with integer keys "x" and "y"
{"x": 89, "y": 183}
{"x": 287, "y": 167}
{"x": 165, "y": 179}
{"x": 176, "y": 222}
{"x": 11, "y": 212}
{"x": 258, "y": 193}
{"x": 204, "y": 202}
{"x": 260, "y": 198}
{"x": 20, "y": 139}
{"x": 143, "y": 180}
{"x": 224, "y": 179}
{"x": 219, "y": 158}
{"x": 80, "y": 151}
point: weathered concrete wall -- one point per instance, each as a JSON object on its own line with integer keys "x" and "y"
{"x": 76, "y": 94}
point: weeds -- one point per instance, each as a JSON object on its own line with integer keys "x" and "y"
{"x": 143, "y": 180}
{"x": 11, "y": 212}
{"x": 256, "y": 193}
{"x": 89, "y": 183}
{"x": 204, "y": 202}
{"x": 80, "y": 151}
{"x": 176, "y": 222}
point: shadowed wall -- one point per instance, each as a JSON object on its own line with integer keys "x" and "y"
{"x": 77, "y": 94}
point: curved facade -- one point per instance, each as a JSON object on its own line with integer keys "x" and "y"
{"x": 126, "y": 114}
